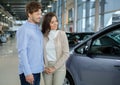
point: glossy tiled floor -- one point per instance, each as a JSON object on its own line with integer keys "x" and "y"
{"x": 9, "y": 64}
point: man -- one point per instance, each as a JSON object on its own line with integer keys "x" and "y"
{"x": 30, "y": 46}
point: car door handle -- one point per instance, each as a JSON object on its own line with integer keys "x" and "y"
{"x": 118, "y": 66}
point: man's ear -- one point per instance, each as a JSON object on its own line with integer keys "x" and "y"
{"x": 29, "y": 15}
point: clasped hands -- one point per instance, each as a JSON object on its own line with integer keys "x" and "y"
{"x": 49, "y": 70}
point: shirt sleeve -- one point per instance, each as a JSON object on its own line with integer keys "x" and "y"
{"x": 22, "y": 45}
{"x": 65, "y": 51}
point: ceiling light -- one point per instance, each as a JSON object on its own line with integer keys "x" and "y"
{"x": 8, "y": 4}
{"x": 49, "y": 6}
{"x": 45, "y": 10}
{"x": 6, "y": 17}
{"x": 3, "y": 15}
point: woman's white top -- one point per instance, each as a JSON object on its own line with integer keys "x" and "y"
{"x": 50, "y": 47}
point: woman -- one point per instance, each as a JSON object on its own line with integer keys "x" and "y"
{"x": 56, "y": 51}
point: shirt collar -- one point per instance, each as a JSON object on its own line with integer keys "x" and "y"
{"x": 32, "y": 23}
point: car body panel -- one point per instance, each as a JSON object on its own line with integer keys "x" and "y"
{"x": 90, "y": 67}
{"x": 94, "y": 70}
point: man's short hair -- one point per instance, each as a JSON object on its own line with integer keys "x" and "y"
{"x": 32, "y": 7}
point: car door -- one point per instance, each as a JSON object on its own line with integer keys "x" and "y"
{"x": 100, "y": 65}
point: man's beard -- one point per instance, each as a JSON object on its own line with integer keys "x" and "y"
{"x": 36, "y": 22}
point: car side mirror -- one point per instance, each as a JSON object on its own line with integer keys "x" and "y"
{"x": 87, "y": 48}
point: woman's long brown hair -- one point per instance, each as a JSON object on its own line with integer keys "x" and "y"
{"x": 46, "y": 23}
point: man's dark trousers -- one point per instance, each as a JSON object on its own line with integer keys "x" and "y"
{"x": 36, "y": 79}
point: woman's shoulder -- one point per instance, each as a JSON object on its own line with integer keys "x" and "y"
{"x": 61, "y": 31}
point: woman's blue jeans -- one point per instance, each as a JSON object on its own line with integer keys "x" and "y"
{"x": 36, "y": 79}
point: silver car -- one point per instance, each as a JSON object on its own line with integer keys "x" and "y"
{"x": 96, "y": 61}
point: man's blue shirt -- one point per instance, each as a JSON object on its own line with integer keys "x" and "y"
{"x": 30, "y": 49}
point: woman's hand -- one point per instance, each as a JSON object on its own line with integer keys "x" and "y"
{"x": 50, "y": 70}
{"x": 46, "y": 70}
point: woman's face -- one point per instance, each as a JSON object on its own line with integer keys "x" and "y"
{"x": 54, "y": 23}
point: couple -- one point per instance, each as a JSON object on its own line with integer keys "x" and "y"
{"x": 41, "y": 52}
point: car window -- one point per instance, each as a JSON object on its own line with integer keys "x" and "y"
{"x": 108, "y": 44}
{"x": 76, "y": 38}
{"x": 97, "y": 42}
{"x": 86, "y": 36}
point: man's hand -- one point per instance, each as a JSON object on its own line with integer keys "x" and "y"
{"x": 30, "y": 79}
